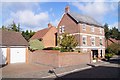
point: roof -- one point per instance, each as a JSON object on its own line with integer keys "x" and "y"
{"x": 12, "y": 38}
{"x": 79, "y": 18}
{"x": 40, "y": 34}
{"x": 114, "y": 40}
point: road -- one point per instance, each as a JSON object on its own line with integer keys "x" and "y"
{"x": 110, "y": 70}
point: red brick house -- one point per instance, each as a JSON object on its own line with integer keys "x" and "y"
{"x": 88, "y": 32}
{"x": 47, "y": 35}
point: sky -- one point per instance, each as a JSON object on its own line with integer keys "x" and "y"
{"x": 36, "y": 15}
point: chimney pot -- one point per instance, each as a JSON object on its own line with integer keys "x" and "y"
{"x": 49, "y": 25}
{"x": 67, "y": 9}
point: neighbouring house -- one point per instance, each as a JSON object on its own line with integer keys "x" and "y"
{"x": 87, "y": 31}
{"x": 110, "y": 41}
{"x": 48, "y": 36}
{"x": 13, "y": 48}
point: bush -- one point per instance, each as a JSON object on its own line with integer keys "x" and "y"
{"x": 56, "y": 48}
{"x": 36, "y": 45}
{"x": 63, "y": 50}
{"x": 108, "y": 55}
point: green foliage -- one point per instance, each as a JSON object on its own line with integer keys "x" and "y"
{"x": 107, "y": 31}
{"x": 113, "y": 48}
{"x": 27, "y": 35}
{"x": 68, "y": 42}
{"x": 109, "y": 55}
{"x": 36, "y": 45}
{"x": 52, "y": 48}
{"x": 12, "y": 27}
{"x": 111, "y": 33}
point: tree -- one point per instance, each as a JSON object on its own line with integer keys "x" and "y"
{"x": 27, "y": 35}
{"x": 114, "y": 33}
{"x": 68, "y": 42}
{"x": 107, "y": 32}
{"x": 114, "y": 48}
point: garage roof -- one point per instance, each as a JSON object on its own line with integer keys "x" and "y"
{"x": 12, "y": 38}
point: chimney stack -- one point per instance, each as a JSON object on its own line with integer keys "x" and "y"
{"x": 67, "y": 9}
{"x": 49, "y": 25}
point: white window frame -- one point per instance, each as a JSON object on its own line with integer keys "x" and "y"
{"x": 85, "y": 40}
{"x": 101, "y": 41}
{"x": 84, "y": 27}
{"x": 93, "y": 41}
{"x": 92, "y": 29}
{"x": 62, "y": 29}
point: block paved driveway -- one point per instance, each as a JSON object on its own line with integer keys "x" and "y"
{"x": 23, "y": 70}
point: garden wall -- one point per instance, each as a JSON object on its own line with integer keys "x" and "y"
{"x": 58, "y": 59}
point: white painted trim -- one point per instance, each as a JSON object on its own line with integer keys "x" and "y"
{"x": 96, "y": 47}
{"x": 85, "y": 40}
{"x": 85, "y": 34}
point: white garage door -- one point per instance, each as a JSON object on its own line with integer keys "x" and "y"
{"x": 17, "y": 55}
{"x": 3, "y": 55}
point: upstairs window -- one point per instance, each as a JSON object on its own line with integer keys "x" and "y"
{"x": 61, "y": 29}
{"x": 101, "y": 41}
{"x": 84, "y": 40}
{"x": 92, "y": 28}
{"x": 93, "y": 41}
{"x": 100, "y": 30}
{"x": 84, "y": 27}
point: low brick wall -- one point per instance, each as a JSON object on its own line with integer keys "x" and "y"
{"x": 72, "y": 58}
{"x": 58, "y": 59}
{"x": 44, "y": 57}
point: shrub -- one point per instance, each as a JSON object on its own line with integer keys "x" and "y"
{"x": 55, "y": 48}
{"x": 108, "y": 55}
{"x": 63, "y": 50}
{"x": 36, "y": 45}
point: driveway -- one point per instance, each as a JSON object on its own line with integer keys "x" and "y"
{"x": 22, "y": 70}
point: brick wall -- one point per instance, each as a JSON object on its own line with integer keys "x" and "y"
{"x": 44, "y": 57}
{"x": 57, "y": 59}
{"x": 49, "y": 38}
{"x": 72, "y": 58}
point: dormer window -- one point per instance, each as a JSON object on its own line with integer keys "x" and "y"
{"x": 61, "y": 29}
{"x": 84, "y": 27}
{"x": 92, "y": 28}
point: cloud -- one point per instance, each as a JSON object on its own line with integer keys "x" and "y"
{"x": 55, "y": 22}
{"x": 29, "y": 19}
{"x": 95, "y": 9}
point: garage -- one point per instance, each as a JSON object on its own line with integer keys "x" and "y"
{"x": 14, "y": 48}
{"x": 3, "y": 55}
{"x": 17, "y": 55}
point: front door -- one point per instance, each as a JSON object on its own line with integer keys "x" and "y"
{"x": 94, "y": 54}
